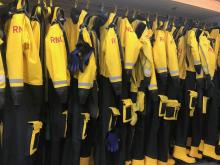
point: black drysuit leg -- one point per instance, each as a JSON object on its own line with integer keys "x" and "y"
{"x": 197, "y": 119}
{"x": 165, "y": 133}
{"x": 107, "y": 99}
{"x": 57, "y": 122}
{"x": 211, "y": 134}
{"x": 183, "y": 121}
{"x": 19, "y": 122}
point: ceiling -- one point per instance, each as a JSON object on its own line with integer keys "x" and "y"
{"x": 162, "y": 7}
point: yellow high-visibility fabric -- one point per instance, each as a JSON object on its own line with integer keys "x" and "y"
{"x": 171, "y": 52}
{"x": 192, "y": 50}
{"x": 207, "y": 55}
{"x": 56, "y": 56}
{"x": 159, "y": 51}
{"x": 110, "y": 61}
{"x": 23, "y": 62}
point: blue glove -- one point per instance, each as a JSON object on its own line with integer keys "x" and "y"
{"x": 112, "y": 142}
{"x": 79, "y": 58}
{"x": 73, "y": 61}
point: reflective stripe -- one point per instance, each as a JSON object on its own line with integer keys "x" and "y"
{"x": 60, "y": 82}
{"x": 147, "y": 72}
{"x": 115, "y": 78}
{"x": 13, "y": 81}
{"x": 197, "y": 62}
{"x": 2, "y": 78}
{"x": 205, "y": 69}
{"x": 152, "y": 86}
{"x": 129, "y": 64}
{"x": 162, "y": 69}
{"x": 85, "y": 84}
{"x": 174, "y": 72}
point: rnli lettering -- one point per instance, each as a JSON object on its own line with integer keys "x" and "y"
{"x": 128, "y": 29}
{"x": 56, "y": 40}
{"x": 113, "y": 40}
{"x": 17, "y": 29}
{"x": 162, "y": 39}
{"x": 211, "y": 50}
{"x": 180, "y": 51}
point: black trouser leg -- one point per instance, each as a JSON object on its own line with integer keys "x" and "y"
{"x": 139, "y": 138}
{"x": 107, "y": 99}
{"x": 184, "y": 114}
{"x": 152, "y": 143}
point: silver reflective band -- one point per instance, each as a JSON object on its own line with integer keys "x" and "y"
{"x": 162, "y": 69}
{"x": 60, "y": 82}
{"x": 129, "y": 64}
{"x": 174, "y": 72}
{"x": 2, "y": 78}
{"x": 115, "y": 78}
{"x": 196, "y": 62}
{"x": 13, "y": 81}
{"x": 205, "y": 69}
{"x": 147, "y": 72}
{"x": 85, "y": 84}
{"x": 152, "y": 86}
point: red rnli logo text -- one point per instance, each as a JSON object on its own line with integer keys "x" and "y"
{"x": 128, "y": 29}
{"x": 17, "y": 29}
{"x": 162, "y": 39}
{"x": 56, "y": 40}
{"x": 113, "y": 40}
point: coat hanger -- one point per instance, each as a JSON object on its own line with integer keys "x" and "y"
{"x": 148, "y": 22}
{"x": 126, "y": 12}
{"x": 115, "y": 9}
{"x": 87, "y": 4}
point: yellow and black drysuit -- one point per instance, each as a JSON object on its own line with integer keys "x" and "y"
{"x": 189, "y": 64}
{"x": 22, "y": 123}
{"x": 167, "y": 107}
{"x": 215, "y": 40}
{"x": 130, "y": 46}
{"x": 56, "y": 50}
{"x": 83, "y": 105}
{"x": 209, "y": 67}
{"x": 110, "y": 88}
{"x": 143, "y": 83}
{"x": 38, "y": 26}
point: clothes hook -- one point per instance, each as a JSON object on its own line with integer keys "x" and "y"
{"x": 87, "y": 4}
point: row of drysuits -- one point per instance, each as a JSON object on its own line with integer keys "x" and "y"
{"x": 107, "y": 89}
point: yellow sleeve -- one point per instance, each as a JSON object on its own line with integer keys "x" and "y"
{"x": 14, "y": 53}
{"x": 113, "y": 60}
{"x": 31, "y": 63}
{"x": 172, "y": 61}
{"x": 159, "y": 52}
{"x": 149, "y": 69}
{"x": 14, "y": 57}
{"x": 88, "y": 76}
{"x": 194, "y": 48}
{"x": 56, "y": 60}
{"x": 132, "y": 46}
